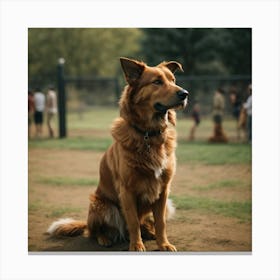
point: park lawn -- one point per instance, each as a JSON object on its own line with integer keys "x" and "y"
{"x": 237, "y": 209}
{"x": 201, "y": 152}
{"x": 97, "y": 121}
{"x": 212, "y": 180}
{"x": 92, "y": 132}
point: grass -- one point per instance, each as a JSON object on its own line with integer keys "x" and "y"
{"x": 213, "y": 154}
{"x": 220, "y": 185}
{"x": 99, "y": 118}
{"x": 73, "y": 143}
{"x": 92, "y": 134}
{"x": 34, "y": 205}
{"x": 186, "y": 152}
{"x": 99, "y": 121}
{"x": 63, "y": 181}
{"x": 236, "y": 209}
{"x": 58, "y": 212}
{"x": 51, "y": 211}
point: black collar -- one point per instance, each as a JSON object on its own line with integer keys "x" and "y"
{"x": 148, "y": 133}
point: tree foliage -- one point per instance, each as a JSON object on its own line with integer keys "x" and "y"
{"x": 201, "y": 50}
{"x": 87, "y": 51}
{"x": 96, "y": 51}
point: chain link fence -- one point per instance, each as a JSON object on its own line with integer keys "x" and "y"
{"x": 83, "y": 93}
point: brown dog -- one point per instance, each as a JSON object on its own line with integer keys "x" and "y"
{"x": 136, "y": 171}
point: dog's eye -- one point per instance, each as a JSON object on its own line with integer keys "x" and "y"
{"x": 158, "y": 82}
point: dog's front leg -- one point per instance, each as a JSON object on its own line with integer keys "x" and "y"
{"x": 128, "y": 202}
{"x": 159, "y": 212}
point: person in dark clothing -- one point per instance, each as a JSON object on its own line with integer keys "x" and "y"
{"x": 236, "y": 104}
{"x": 31, "y": 109}
{"x": 196, "y": 120}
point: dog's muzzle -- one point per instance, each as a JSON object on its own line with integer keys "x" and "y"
{"x": 182, "y": 94}
{"x": 182, "y": 100}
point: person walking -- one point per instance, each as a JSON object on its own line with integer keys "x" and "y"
{"x": 218, "y": 112}
{"x": 51, "y": 109}
{"x": 248, "y": 107}
{"x": 39, "y": 104}
{"x": 236, "y": 104}
{"x": 196, "y": 120}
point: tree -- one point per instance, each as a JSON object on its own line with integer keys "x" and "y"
{"x": 87, "y": 51}
{"x": 237, "y": 51}
{"x": 200, "y": 50}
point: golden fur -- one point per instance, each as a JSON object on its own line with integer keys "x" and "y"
{"x": 136, "y": 171}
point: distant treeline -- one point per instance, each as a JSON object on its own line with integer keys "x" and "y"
{"x": 95, "y": 52}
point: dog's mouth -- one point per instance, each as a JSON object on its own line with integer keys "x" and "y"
{"x": 161, "y": 108}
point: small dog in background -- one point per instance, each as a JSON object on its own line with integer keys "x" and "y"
{"x": 131, "y": 200}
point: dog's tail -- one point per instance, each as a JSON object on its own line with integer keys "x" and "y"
{"x": 67, "y": 227}
{"x": 170, "y": 209}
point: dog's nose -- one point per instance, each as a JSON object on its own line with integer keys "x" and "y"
{"x": 182, "y": 94}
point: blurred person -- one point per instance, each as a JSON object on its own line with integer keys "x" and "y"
{"x": 242, "y": 121}
{"x": 39, "y": 104}
{"x": 236, "y": 104}
{"x": 218, "y": 112}
{"x": 248, "y": 107}
{"x": 195, "y": 114}
{"x": 31, "y": 108}
{"x": 51, "y": 107}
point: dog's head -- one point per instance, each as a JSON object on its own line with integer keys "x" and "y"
{"x": 151, "y": 91}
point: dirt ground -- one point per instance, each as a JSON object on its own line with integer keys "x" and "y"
{"x": 189, "y": 231}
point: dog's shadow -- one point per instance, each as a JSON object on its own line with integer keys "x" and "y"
{"x": 82, "y": 244}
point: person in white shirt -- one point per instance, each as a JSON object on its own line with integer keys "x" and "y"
{"x": 39, "y": 104}
{"x": 51, "y": 109}
{"x": 248, "y": 107}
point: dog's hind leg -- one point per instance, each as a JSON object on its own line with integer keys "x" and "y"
{"x": 103, "y": 238}
{"x": 105, "y": 222}
{"x": 147, "y": 227}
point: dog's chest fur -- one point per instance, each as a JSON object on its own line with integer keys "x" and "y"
{"x": 157, "y": 160}
{"x": 156, "y": 169}
{"x": 147, "y": 170}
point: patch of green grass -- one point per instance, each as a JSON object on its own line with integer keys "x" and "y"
{"x": 73, "y": 143}
{"x": 58, "y": 212}
{"x": 50, "y": 210}
{"x": 99, "y": 118}
{"x": 199, "y": 152}
{"x": 213, "y": 154}
{"x": 240, "y": 210}
{"x": 34, "y": 206}
{"x": 220, "y": 185}
{"x": 66, "y": 181}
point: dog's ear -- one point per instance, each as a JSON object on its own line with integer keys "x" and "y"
{"x": 173, "y": 66}
{"x": 132, "y": 69}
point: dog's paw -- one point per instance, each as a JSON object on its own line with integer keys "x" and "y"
{"x": 148, "y": 231}
{"x": 167, "y": 247}
{"x": 104, "y": 241}
{"x": 139, "y": 247}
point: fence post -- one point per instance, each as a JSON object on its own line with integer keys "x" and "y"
{"x": 61, "y": 98}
